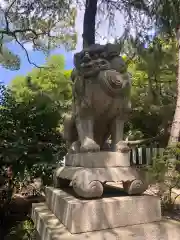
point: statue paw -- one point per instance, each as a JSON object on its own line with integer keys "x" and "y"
{"x": 75, "y": 147}
{"x": 89, "y": 145}
{"x": 134, "y": 187}
{"x": 86, "y": 185}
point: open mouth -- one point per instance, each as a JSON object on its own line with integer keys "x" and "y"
{"x": 95, "y": 65}
{"x": 87, "y": 66}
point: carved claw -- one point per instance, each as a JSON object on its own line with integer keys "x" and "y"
{"x": 92, "y": 189}
{"x": 75, "y": 147}
{"x": 85, "y": 185}
{"x": 134, "y": 187}
{"x": 89, "y": 145}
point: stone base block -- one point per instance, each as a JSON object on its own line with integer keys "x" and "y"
{"x": 80, "y": 215}
{"x": 98, "y": 159}
{"x": 50, "y": 228}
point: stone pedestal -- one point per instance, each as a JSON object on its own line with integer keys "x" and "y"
{"x": 88, "y": 172}
{"x": 65, "y": 217}
{"x": 112, "y": 214}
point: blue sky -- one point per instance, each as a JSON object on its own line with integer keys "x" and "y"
{"x": 36, "y": 56}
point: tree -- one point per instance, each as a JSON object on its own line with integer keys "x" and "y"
{"x": 31, "y": 114}
{"x": 130, "y": 9}
{"x": 159, "y": 50}
{"x": 7, "y": 58}
{"x": 165, "y": 16}
{"x": 89, "y": 23}
{"x": 41, "y": 23}
{"x": 175, "y": 129}
{"x": 153, "y": 89}
{"x": 52, "y": 80}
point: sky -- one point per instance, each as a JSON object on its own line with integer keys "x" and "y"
{"x": 104, "y": 35}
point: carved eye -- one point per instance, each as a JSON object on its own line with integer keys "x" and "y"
{"x": 103, "y": 55}
{"x": 94, "y": 56}
{"x": 104, "y": 62}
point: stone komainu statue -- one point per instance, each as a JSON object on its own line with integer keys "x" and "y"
{"x": 101, "y": 103}
{"x": 101, "y": 100}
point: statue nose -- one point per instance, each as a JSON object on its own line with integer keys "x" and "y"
{"x": 86, "y": 58}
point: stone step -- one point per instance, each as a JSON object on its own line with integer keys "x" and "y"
{"x": 50, "y": 228}
{"x": 79, "y": 215}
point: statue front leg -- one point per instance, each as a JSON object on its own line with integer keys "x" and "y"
{"x": 117, "y": 132}
{"x": 85, "y": 127}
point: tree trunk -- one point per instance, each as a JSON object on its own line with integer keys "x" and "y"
{"x": 89, "y": 23}
{"x": 175, "y": 129}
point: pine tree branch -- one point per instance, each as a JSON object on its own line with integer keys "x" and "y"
{"x": 6, "y": 14}
{"x": 13, "y": 33}
{"x": 26, "y": 52}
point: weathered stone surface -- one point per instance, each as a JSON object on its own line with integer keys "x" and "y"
{"x": 114, "y": 174}
{"x": 100, "y": 107}
{"x": 37, "y": 236}
{"x": 101, "y": 99}
{"x": 50, "y": 228}
{"x": 88, "y": 182}
{"x": 98, "y": 160}
{"x": 79, "y": 215}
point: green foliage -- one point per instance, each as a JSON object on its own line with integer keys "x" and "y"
{"x": 166, "y": 15}
{"x": 22, "y": 231}
{"x": 8, "y": 59}
{"x": 26, "y": 132}
{"x": 165, "y": 172}
{"x": 51, "y": 81}
{"x": 154, "y": 85}
{"x": 31, "y": 114}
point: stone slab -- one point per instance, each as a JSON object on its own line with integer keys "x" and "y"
{"x": 80, "y": 215}
{"x": 98, "y": 160}
{"x": 50, "y": 228}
